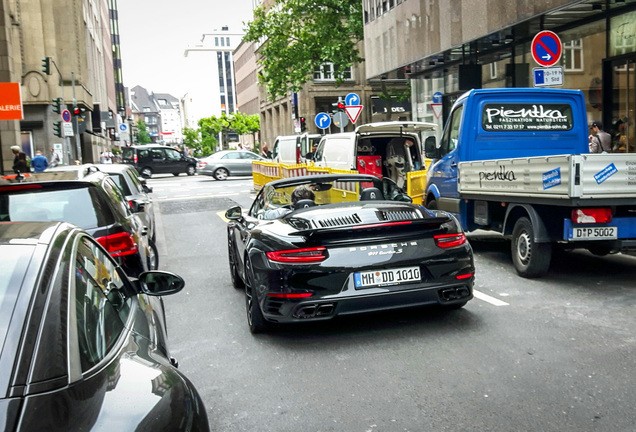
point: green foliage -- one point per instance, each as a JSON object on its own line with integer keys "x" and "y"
{"x": 204, "y": 139}
{"x": 301, "y": 35}
{"x": 143, "y": 137}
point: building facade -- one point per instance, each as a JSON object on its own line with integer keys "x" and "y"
{"x": 445, "y": 51}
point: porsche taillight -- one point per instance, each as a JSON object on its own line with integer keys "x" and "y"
{"x": 299, "y": 255}
{"x": 118, "y": 244}
{"x": 591, "y": 215}
{"x": 450, "y": 240}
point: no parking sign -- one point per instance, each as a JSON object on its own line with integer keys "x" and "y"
{"x": 546, "y": 48}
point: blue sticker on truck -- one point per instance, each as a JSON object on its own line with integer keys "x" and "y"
{"x": 551, "y": 178}
{"x": 605, "y": 173}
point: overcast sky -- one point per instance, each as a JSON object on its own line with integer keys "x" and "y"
{"x": 155, "y": 33}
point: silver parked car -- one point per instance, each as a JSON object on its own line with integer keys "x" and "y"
{"x": 227, "y": 163}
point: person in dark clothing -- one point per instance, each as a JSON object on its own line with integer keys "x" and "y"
{"x": 21, "y": 166}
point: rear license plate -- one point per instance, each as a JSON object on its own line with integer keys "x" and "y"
{"x": 594, "y": 233}
{"x": 387, "y": 277}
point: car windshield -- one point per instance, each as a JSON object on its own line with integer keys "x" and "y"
{"x": 326, "y": 190}
{"x": 120, "y": 181}
{"x": 13, "y": 263}
{"x": 77, "y": 206}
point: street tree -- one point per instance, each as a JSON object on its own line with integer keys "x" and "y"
{"x": 143, "y": 137}
{"x": 244, "y": 124}
{"x": 192, "y": 139}
{"x": 302, "y": 35}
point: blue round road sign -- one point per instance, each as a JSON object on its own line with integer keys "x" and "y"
{"x": 322, "y": 120}
{"x": 437, "y": 97}
{"x": 352, "y": 99}
{"x": 546, "y": 48}
{"x": 66, "y": 116}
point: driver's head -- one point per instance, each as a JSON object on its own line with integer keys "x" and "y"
{"x": 302, "y": 192}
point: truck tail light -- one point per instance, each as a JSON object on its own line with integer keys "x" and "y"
{"x": 450, "y": 240}
{"x": 119, "y": 244}
{"x": 591, "y": 215}
{"x": 299, "y": 255}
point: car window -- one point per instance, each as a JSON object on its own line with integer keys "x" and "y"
{"x": 143, "y": 153}
{"x": 14, "y": 260}
{"x": 133, "y": 176}
{"x": 172, "y": 154}
{"x": 249, "y": 155}
{"x": 116, "y": 196}
{"x": 127, "y": 152}
{"x": 80, "y": 206}
{"x": 156, "y": 153}
{"x": 232, "y": 155}
{"x": 100, "y": 305}
{"x": 121, "y": 182}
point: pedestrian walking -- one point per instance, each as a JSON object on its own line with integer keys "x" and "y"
{"x": 39, "y": 163}
{"x": 54, "y": 158}
{"x": 600, "y": 141}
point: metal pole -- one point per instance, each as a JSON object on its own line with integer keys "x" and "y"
{"x": 67, "y": 143}
{"x": 78, "y": 148}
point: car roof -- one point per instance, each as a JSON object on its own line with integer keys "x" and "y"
{"x": 94, "y": 177}
{"x": 87, "y": 168}
{"x": 27, "y": 232}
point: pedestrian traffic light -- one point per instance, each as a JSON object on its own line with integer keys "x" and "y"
{"x": 46, "y": 65}
{"x": 339, "y": 106}
{"x": 303, "y": 124}
{"x": 57, "y": 128}
{"x": 57, "y": 105}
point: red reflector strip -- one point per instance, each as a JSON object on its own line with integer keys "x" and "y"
{"x": 118, "y": 244}
{"x": 21, "y": 187}
{"x": 298, "y": 255}
{"x": 450, "y": 240}
{"x": 290, "y": 296}
{"x": 465, "y": 276}
{"x": 591, "y": 215}
{"x": 382, "y": 224}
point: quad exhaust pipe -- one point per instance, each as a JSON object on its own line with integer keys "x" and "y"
{"x": 315, "y": 310}
{"x": 450, "y": 294}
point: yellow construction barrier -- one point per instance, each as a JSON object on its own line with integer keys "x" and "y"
{"x": 264, "y": 172}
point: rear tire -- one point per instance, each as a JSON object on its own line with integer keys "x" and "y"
{"x": 146, "y": 172}
{"x": 221, "y": 174}
{"x": 175, "y": 174}
{"x": 531, "y": 259}
{"x": 255, "y": 319}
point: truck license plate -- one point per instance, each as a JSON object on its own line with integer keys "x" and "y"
{"x": 387, "y": 277}
{"x": 595, "y": 233}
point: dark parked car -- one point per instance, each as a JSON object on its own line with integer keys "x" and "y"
{"x": 89, "y": 199}
{"x": 227, "y": 163}
{"x": 132, "y": 185}
{"x": 83, "y": 346}
{"x": 360, "y": 245}
{"x": 157, "y": 159}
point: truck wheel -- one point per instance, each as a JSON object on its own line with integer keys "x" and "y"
{"x": 531, "y": 259}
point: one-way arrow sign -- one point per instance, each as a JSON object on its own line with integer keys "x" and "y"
{"x": 353, "y": 112}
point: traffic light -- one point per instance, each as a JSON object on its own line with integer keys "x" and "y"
{"x": 77, "y": 111}
{"x": 339, "y": 106}
{"x": 303, "y": 124}
{"x": 57, "y": 105}
{"x": 57, "y": 128}
{"x": 46, "y": 65}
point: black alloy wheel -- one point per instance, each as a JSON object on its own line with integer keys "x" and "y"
{"x": 255, "y": 319}
{"x": 531, "y": 259}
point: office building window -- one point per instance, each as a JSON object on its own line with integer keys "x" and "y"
{"x": 325, "y": 72}
{"x": 573, "y": 55}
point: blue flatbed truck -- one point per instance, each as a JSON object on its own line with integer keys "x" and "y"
{"x": 516, "y": 161}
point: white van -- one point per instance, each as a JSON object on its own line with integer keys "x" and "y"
{"x": 295, "y": 149}
{"x": 384, "y": 149}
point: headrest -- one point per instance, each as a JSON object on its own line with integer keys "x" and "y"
{"x": 303, "y": 203}
{"x": 370, "y": 194}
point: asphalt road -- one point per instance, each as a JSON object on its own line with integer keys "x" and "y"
{"x": 551, "y": 354}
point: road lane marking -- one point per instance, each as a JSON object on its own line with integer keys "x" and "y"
{"x": 488, "y": 299}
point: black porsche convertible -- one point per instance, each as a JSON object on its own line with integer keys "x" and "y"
{"x": 315, "y": 247}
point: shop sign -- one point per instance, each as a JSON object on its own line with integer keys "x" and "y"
{"x": 623, "y": 34}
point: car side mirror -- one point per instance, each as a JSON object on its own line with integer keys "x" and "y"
{"x": 430, "y": 148}
{"x": 234, "y": 213}
{"x": 159, "y": 283}
{"x": 146, "y": 188}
